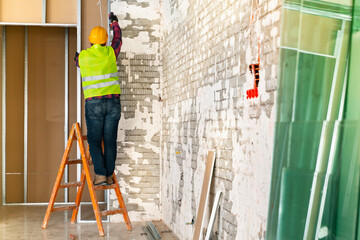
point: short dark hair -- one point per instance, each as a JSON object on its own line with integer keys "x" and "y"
{"x": 100, "y": 44}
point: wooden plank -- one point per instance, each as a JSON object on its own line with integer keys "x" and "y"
{"x": 204, "y": 195}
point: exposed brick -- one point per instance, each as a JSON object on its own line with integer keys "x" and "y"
{"x": 207, "y": 47}
{"x": 139, "y": 71}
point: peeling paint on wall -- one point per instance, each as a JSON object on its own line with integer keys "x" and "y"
{"x": 138, "y": 159}
{"x": 174, "y": 13}
{"x": 190, "y": 93}
{"x": 206, "y": 49}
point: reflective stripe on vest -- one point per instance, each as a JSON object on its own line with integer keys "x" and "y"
{"x": 101, "y": 85}
{"x": 100, "y": 77}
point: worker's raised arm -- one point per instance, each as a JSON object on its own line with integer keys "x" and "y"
{"x": 117, "y": 39}
{"x": 116, "y": 42}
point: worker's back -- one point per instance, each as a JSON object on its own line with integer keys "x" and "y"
{"x": 99, "y": 71}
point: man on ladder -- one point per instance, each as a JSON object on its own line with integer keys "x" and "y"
{"x": 102, "y": 112}
{"x": 100, "y": 82}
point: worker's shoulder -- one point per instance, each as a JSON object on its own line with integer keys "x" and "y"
{"x": 110, "y": 49}
{"x": 98, "y": 49}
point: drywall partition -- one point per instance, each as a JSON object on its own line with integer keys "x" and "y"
{"x": 21, "y": 11}
{"x": 46, "y": 115}
{"x": 63, "y": 11}
{"x": 45, "y": 99}
{"x": 47, "y": 95}
{"x": 37, "y": 100}
{"x": 15, "y": 113}
{"x": 90, "y": 17}
{"x": 38, "y": 11}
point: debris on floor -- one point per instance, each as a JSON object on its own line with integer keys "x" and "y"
{"x": 151, "y": 232}
{"x": 148, "y": 233}
{"x": 154, "y": 231}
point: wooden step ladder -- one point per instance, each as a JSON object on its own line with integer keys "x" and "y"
{"x": 75, "y": 135}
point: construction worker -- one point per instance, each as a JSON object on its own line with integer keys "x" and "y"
{"x": 101, "y": 89}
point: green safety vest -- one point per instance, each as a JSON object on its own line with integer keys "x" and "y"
{"x": 99, "y": 71}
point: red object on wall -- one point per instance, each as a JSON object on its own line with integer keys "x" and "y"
{"x": 252, "y": 93}
{"x": 254, "y": 69}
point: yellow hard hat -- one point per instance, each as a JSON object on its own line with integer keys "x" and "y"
{"x": 98, "y": 35}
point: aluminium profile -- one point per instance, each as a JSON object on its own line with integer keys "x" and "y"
{"x": 26, "y": 111}
{"x": 3, "y": 122}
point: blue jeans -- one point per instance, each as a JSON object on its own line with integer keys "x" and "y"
{"x": 102, "y": 119}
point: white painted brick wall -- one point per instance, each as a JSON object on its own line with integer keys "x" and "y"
{"x": 206, "y": 48}
{"x": 189, "y": 92}
{"x": 138, "y": 160}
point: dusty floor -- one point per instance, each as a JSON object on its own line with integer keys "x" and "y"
{"x": 24, "y": 222}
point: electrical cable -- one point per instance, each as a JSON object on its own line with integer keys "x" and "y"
{"x": 101, "y": 17}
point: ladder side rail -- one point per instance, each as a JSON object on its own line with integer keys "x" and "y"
{"x": 78, "y": 197}
{"x": 122, "y": 204}
{"x": 58, "y": 178}
{"x": 89, "y": 181}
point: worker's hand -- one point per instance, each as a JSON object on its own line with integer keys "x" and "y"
{"x": 76, "y": 56}
{"x": 113, "y": 17}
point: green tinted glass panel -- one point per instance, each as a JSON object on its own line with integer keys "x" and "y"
{"x": 315, "y": 172}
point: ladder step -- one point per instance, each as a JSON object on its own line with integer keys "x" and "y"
{"x": 111, "y": 212}
{"x": 70, "y": 184}
{"x": 63, "y": 208}
{"x": 83, "y": 137}
{"x": 74, "y": 161}
{"x": 112, "y": 186}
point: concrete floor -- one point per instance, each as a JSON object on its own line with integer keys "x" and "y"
{"x": 24, "y": 222}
